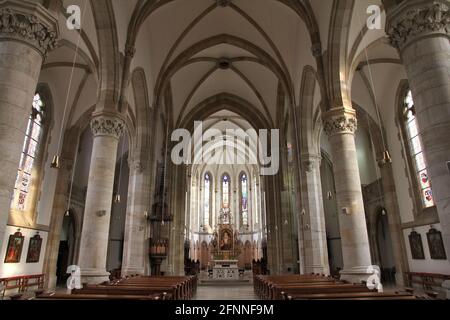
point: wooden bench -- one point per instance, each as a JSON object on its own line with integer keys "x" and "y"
{"x": 277, "y": 290}
{"x": 176, "y": 288}
{"x": 54, "y": 296}
{"x": 22, "y": 284}
{"x": 350, "y": 296}
{"x": 185, "y": 286}
{"x": 264, "y": 285}
{"x": 428, "y": 281}
{"x": 169, "y": 293}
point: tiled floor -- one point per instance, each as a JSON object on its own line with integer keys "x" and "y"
{"x": 239, "y": 292}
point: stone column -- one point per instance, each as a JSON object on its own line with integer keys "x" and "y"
{"x": 193, "y": 205}
{"x": 27, "y": 32}
{"x": 340, "y": 125}
{"x": 65, "y": 173}
{"x": 107, "y": 129}
{"x": 394, "y": 221}
{"x": 135, "y": 242}
{"x": 420, "y": 32}
{"x": 314, "y": 230}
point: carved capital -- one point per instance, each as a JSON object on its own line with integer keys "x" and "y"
{"x": 30, "y": 23}
{"x": 311, "y": 162}
{"x": 316, "y": 49}
{"x": 223, "y": 3}
{"x": 107, "y": 125}
{"x": 412, "y": 19}
{"x": 130, "y": 51}
{"x": 339, "y": 121}
{"x": 136, "y": 165}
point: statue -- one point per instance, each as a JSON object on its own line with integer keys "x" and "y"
{"x": 224, "y": 216}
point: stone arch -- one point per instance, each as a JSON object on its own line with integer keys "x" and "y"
{"x": 109, "y": 66}
{"x": 142, "y": 105}
{"x": 183, "y": 58}
{"x": 307, "y": 117}
{"x": 230, "y": 102}
{"x": 341, "y": 18}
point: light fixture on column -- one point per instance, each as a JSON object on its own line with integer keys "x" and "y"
{"x": 387, "y": 157}
{"x": 67, "y": 213}
{"x": 101, "y": 213}
{"x": 55, "y": 162}
{"x": 122, "y": 155}
{"x": 330, "y": 195}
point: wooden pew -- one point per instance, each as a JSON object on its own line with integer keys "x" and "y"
{"x": 313, "y": 288}
{"x": 179, "y": 287}
{"x": 264, "y": 285}
{"x": 54, "y": 296}
{"x": 350, "y": 296}
{"x": 128, "y": 291}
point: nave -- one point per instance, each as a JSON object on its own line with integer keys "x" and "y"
{"x": 148, "y": 143}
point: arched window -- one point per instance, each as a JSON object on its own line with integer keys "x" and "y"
{"x": 415, "y": 145}
{"x": 226, "y": 191}
{"x": 244, "y": 199}
{"x": 207, "y": 197}
{"x": 29, "y": 157}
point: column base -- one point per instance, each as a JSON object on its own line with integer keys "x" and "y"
{"x": 128, "y": 271}
{"x": 399, "y": 279}
{"x": 370, "y": 275}
{"x": 317, "y": 269}
{"x": 94, "y": 276}
{"x": 51, "y": 282}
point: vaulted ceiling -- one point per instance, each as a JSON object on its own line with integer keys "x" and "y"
{"x": 251, "y": 53}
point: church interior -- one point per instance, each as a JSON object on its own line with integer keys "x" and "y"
{"x": 224, "y": 149}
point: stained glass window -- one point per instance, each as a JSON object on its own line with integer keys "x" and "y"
{"x": 244, "y": 199}
{"x": 30, "y": 149}
{"x": 225, "y": 191}
{"x": 207, "y": 207}
{"x": 416, "y": 150}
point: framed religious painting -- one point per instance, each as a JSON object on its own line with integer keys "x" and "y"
{"x": 415, "y": 242}
{"x": 34, "y": 249}
{"x": 436, "y": 245}
{"x": 14, "y": 248}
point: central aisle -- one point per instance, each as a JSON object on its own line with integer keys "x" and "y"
{"x": 225, "y": 292}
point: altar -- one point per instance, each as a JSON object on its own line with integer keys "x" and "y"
{"x": 225, "y": 251}
{"x": 225, "y": 270}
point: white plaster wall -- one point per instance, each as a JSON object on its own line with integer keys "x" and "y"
{"x": 22, "y": 268}
{"x": 427, "y": 265}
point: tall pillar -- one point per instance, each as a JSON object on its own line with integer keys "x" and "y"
{"x": 340, "y": 125}
{"x": 419, "y": 29}
{"x": 27, "y": 32}
{"x": 107, "y": 129}
{"x": 65, "y": 173}
{"x": 394, "y": 221}
{"x": 313, "y": 226}
{"x": 135, "y": 242}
